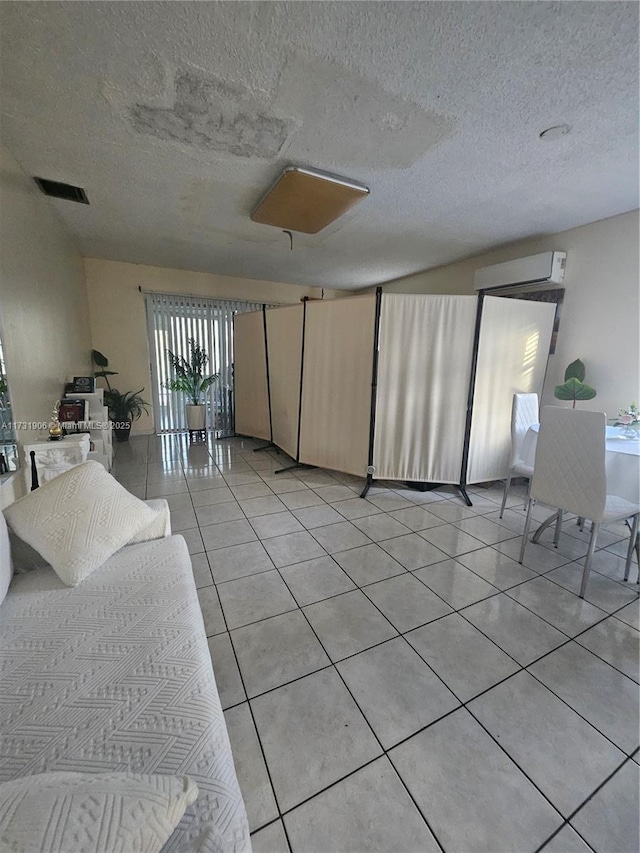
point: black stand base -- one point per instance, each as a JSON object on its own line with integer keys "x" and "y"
{"x": 429, "y": 487}
{"x": 198, "y": 435}
{"x": 267, "y": 446}
{"x": 422, "y": 487}
{"x": 367, "y": 486}
{"x": 465, "y": 496}
{"x": 291, "y": 467}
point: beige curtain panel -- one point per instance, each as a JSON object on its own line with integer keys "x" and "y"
{"x": 424, "y": 365}
{"x": 512, "y": 357}
{"x": 336, "y": 398}
{"x": 251, "y": 398}
{"x": 284, "y": 341}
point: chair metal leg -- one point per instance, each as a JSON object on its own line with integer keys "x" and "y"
{"x": 633, "y": 544}
{"x": 525, "y": 532}
{"x": 507, "y": 486}
{"x": 587, "y": 563}
{"x": 556, "y": 535}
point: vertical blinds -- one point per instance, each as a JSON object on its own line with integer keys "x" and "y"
{"x": 172, "y": 320}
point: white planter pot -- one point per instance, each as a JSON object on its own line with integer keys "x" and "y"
{"x": 196, "y": 417}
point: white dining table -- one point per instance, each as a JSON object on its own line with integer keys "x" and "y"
{"x": 622, "y": 460}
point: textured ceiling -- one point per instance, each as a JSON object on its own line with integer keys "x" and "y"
{"x": 176, "y": 117}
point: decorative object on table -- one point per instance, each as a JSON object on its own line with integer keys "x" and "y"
{"x": 190, "y": 380}
{"x": 124, "y": 408}
{"x": 55, "y": 430}
{"x": 629, "y": 421}
{"x": 628, "y": 417}
{"x": 83, "y": 385}
{"x": 70, "y": 413}
{"x": 574, "y": 387}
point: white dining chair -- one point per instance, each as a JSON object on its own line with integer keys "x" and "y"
{"x": 524, "y": 413}
{"x": 569, "y": 475}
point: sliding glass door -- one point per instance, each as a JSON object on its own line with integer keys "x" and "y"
{"x": 172, "y": 321}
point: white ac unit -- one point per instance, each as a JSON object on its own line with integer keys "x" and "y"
{"x": 545, "y": 268}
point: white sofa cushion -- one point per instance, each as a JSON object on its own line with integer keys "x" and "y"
{"x": 6, "y": 566}
{"x": 78, "y": 520}
{"x": 121, "y": 679}
{"x": 92, "y": 812}
{"x": 27, "y": 559}
{"x": 159, "y": 527}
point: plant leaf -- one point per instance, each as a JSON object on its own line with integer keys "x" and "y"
{"x": 103, "y": 373}
{"x": 585, "y": 392}
{"x": 573, "y": 389}
{"x": 99, "y": 359}
{"x": 576, "y": 370}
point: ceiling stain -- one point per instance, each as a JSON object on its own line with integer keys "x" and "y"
{"x": 214, "y": 115}
{"x": 351, "y": 121}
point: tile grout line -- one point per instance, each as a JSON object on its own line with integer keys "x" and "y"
{"x": 606, "y": 615}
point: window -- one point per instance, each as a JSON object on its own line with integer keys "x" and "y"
{"x": 172, "y": 321}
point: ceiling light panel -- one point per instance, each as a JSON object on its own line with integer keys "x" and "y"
{"x": 306, "y": 200}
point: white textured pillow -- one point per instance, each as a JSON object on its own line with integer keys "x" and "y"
{"x": 6, "y": 567}
{"x": 92, "y": 812}
{"x": 78, "y": 520}
{"x": 159, "y": 527}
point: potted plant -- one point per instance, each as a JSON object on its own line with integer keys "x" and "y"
{"x": 191, "y": 381}
{"x": 123, "y": 407}
{"x": 574, "y": 387}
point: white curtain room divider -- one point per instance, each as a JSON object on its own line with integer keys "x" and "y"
{"x": 284, "y": 346}
{"x": 336, "y": 396}
{"x": 512, "y": 357}
{"x": 320, "y": 387}
{"x": 250, "y": 376}
{"x": 425, "y": 351}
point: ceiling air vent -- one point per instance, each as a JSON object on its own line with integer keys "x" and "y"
{"x": 66, "y": 191}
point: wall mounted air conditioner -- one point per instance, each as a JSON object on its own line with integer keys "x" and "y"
{"x": 545, "y": 268}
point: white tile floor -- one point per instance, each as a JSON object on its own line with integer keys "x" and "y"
{"x": 393, "y": 680}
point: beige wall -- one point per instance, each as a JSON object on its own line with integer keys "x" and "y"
{"x": 600, "y": 313}
{"x": 118, "y": 319}
{"x": 44, "y": 318}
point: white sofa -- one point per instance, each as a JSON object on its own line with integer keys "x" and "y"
{"x": 115, "y": 674}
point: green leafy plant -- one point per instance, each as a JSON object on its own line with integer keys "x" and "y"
{"x": 125, "y": 407}
{"x": 574, "y": 387}
{"x": 189, "y": 373}
{"x": 103, "y": 362}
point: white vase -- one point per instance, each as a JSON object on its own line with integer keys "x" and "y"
{"x": 196, "y": 417}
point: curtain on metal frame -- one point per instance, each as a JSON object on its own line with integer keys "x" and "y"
{"x": 172, "y": 320}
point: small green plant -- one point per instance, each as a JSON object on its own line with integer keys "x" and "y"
{"x": 190, "y": 378}
{"x": 574, "y": 387}
{"x": 123, "y": 407}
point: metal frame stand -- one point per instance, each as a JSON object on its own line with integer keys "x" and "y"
{"x": 374, "y": 394}
{"x": 297, "y": 463}
{"x": 462, "y": 485}
{"x": 292, "y": 467}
